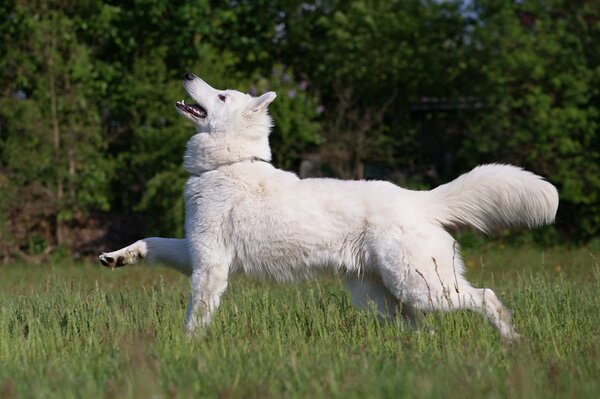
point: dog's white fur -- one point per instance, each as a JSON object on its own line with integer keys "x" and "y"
{"x": 243, "y": 214}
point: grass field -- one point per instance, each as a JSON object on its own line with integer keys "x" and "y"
{"x": 82, "y": 331}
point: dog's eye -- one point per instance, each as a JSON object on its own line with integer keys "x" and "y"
{"x": 222, "y": 97}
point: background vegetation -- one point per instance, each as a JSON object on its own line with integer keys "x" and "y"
{"x": 414, "y": 91}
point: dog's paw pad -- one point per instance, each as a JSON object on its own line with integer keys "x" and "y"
{"x": 105, "y": 260}
{"x": 110, "y": 261}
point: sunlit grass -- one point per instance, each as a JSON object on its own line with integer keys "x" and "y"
{"x": 82, "y": 331}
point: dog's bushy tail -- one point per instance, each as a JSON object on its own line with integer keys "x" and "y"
{"x": 492, "y": 196}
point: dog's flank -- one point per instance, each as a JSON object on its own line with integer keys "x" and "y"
{"x": 244, "y": 215}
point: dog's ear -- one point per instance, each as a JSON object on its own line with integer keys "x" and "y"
{"x": 261, "y": 103}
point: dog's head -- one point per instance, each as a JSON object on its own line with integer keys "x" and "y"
{"x": 225, "y": 111}
{"x": 231, "y": 126}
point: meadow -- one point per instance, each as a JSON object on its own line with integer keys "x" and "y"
{"x": 81, "y": 331}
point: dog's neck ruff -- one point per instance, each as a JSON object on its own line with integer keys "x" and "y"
{"x": 250, "y": 159}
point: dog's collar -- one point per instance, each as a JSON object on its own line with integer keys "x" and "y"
{"x": 250, "y": 159}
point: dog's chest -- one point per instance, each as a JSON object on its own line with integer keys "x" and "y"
{"x": 224, "y": 201}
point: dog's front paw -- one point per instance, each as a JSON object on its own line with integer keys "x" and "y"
{"x": 109, "y": 260}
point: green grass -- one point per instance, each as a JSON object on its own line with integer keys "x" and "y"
{"x": 81, "y": 331}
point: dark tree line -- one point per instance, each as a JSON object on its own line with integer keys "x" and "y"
{"x": 415, "y": 91}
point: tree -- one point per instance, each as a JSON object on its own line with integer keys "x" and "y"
{"x": 538, "y": 80}
{"x": 371, "y": 62}
{"x": 52, "y": 149}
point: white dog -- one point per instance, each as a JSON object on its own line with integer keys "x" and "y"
{"x": 243, "y": 214}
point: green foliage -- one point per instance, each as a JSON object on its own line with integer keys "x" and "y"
{"x": 89, "y": 332}
{"x": 52, "y": 149}
{"x": 539, "y": 89}
{"x": 412, "y": 91}
{"x": 296, "y": 113}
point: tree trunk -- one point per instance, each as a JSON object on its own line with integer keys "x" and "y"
{"x": 56, "y": 138}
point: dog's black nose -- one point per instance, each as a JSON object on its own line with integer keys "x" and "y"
{"x": 189, "y": 76}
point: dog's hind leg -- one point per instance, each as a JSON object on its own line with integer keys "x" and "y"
{"x": 428, "y": 276}
{"x": 480, "y": 300}
{"x": 368, "y": 292}
{"x": 172, "y": 252}
{"x": 428, "y": 289}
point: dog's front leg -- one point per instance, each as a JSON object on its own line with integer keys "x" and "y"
{"x": 173, "y": 252}
{"x": 208, "y": 284}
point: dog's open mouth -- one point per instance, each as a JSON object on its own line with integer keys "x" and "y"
{"x": 192, "y": 109}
